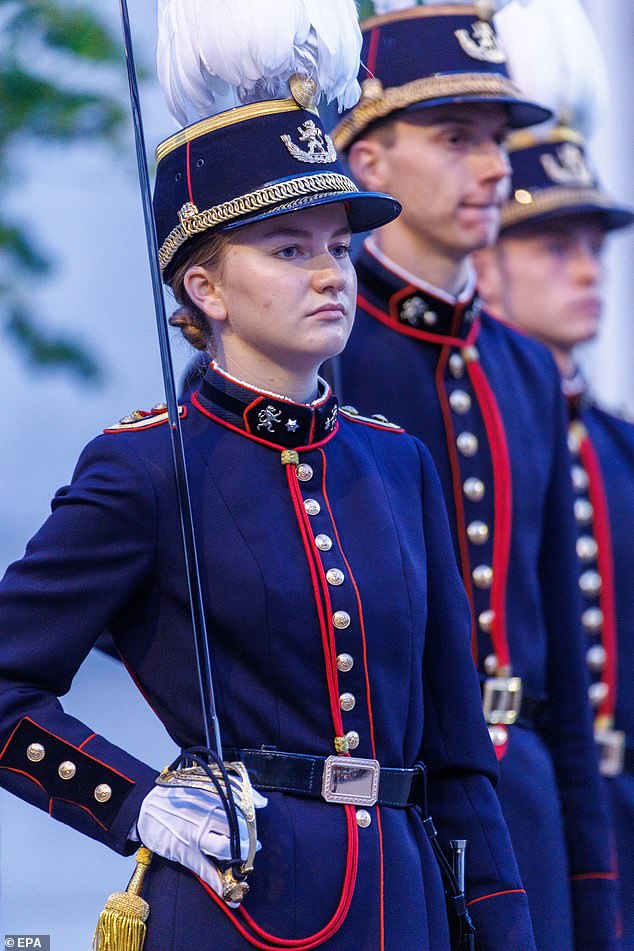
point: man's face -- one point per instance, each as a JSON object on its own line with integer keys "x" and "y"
{"x": 448, "y": 167}
{"x": 551, "y": 279}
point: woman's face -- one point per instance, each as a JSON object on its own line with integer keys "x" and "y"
{"x": 283, "y": 298}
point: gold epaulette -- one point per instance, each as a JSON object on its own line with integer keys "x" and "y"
{"x": 377, "y": 421}
{"x": 144, "y": 419}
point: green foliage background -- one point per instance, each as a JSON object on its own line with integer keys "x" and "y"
{"x": 39, "y": 103}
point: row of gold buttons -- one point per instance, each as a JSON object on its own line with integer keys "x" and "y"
{"x": 35, "y": 752}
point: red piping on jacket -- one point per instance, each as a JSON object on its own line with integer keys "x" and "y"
{"x": 368, "y": 699}
{"x": 605, "y": 565}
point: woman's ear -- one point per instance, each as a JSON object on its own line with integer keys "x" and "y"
{"x": 204, "y": 291}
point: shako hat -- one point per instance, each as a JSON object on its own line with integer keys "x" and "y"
{"x": 554, "y": 55}
{"x": 552, "y": 177}
{"x": 244, "y": 78}
{"x": 415, "y": 57}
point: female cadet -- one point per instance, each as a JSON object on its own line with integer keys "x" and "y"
{"x": 337, "y": 621}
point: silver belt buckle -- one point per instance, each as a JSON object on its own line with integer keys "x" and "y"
{"x": 611, "y": 745}
{"x": 350, "y": 780}
{"x": 502, "y": 699}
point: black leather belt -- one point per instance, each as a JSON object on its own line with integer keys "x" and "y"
{"x": 270, "y": 770}
{"x": 530, "y": 713}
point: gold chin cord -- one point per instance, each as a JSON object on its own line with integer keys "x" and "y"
{"x": 121, "y": 925}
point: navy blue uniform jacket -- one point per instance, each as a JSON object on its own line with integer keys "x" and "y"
{"x": 602, "y": 446}
{"x": 487, "y": 403}
{"x": 347, "y": 554}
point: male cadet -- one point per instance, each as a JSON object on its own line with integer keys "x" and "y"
{"x": 545, "y": 275}
{"x": 429, "y": 128}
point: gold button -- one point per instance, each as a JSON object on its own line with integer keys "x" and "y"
{"x": 587, "y": 548}
{"x": 597, "y": 693}
{"x": 341, "y": 620}
{"x": 482, "y": 576}
{"x": 304, "y": 472}
{"x": 584, "y": 511}
{"x": 67, "y": 769}
{"x": 363, "y": 818}
{"x": 352, "y": 739}
{"x": 351, "y": 410}
{"x": 592, "y": 619}
{"x": 478, "y": 533}
{"x": 345, "y": 662}
{"x": 103, "y": 792}
{"x": 335, "y": 577}
{"x": 523, "y": 197}
{"x": 590, "y": 583}
{"x": 474, "y": 489}
{"x": 159, "y": 408}
{"x": 380, "y": 418}
{"x": 347, "y": 702}
{"x": 596, "y": 657}
{"x": 467, "y": 444}
{"x": 491, "y": 664}
{"x": 460, "y": 402}
{"x": 485, "y": 620}
{"x": 430, "y": 317}
{"x": 456, "y": 366}
{"x": 323, "y": 542}
{"x": 312, "y": 506}
{"x": 499, "y": 735}
{"x": 35, "y": 752}
{"x": 580, "y": 480}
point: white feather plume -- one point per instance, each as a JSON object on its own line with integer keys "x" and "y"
{"x": 555, "y": 59}
{"x": 213, "y": 55}
{"x": 387, "y": 6}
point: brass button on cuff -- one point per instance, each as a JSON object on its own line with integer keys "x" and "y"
{"x": 35, "y": 752}
{"x": 103, "y": 792}
{"x": 67, "y": 769}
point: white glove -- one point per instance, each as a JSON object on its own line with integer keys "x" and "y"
{"x": 186, "y": 825}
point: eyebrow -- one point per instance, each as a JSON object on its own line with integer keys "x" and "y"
{"x": 290, "y": 232}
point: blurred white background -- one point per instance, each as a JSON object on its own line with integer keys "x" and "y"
{"x": 84, "y": 205}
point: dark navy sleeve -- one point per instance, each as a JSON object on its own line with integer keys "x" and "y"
{"x": 461, "y": 764}
{"x": 77, "y": 573}
{"x": 569, "y": 729}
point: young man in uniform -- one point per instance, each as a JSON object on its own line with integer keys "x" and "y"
{"x": 545, "y": 275}
{"x": 429, "y": 129}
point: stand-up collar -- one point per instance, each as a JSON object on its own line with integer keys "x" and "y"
{"x": 265, "y": 416}
{"x": 409, "y": 304}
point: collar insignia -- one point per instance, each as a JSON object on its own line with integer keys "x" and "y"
{"x": 483, "y": 45}
{"x": 569, "y": 168}
{"x": 320, "y": 149}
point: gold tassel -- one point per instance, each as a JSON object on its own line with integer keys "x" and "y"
{"x": 121, "y": 925}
